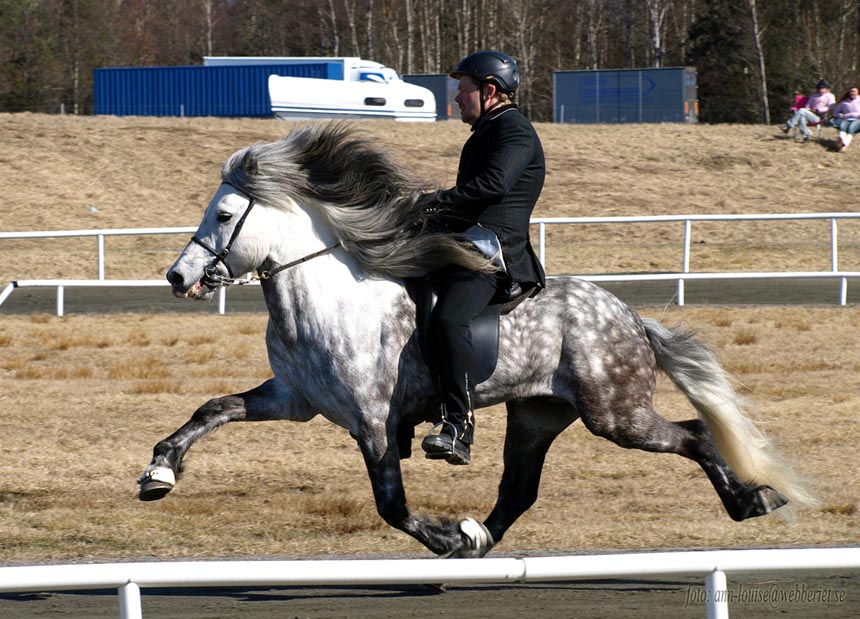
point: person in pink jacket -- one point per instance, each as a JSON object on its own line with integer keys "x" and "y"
{"x": 846, "y": 117}
{"x": 817, "y": 107}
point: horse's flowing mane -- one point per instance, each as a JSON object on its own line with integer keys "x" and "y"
{"x": 374, "y": 207}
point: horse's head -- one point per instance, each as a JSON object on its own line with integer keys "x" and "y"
{"x": 218, "y": 252}
{"x": 315, "y": 189}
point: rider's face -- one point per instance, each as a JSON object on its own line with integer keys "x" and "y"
{"x": 469, "y": 100}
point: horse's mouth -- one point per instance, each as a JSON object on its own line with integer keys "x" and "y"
{"x": 199, "y": 291}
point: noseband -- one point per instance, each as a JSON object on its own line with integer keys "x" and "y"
{"x": 213, "y": 279}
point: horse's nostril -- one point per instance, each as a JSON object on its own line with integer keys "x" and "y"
{"x": 176, "y": 280}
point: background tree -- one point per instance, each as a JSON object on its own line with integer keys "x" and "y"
{"x": 746, "y": 71}
{"x": 719, "y": 52}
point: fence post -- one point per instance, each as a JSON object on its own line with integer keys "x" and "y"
{"x": 834, "y": 246}
{"x": 716, "y": 596}
{"x": 60, "y": 294}
{"x": 101, "y": 256}
{"x": 129, "y": 601}
{"x": 222, "y": 300}
{"x": 542, "y": 244}
{"x": 834, "y": 261}
{"x": 6, "y": 292}
{"x": 688, "y": 225}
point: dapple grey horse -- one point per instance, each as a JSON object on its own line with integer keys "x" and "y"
{"x": 331, "y": 227}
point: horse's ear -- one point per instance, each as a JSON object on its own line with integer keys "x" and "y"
{"x": 249, "y": 166}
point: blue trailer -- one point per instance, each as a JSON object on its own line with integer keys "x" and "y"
{"x": 196, "y": 91}
{"x": 626, "y": 96}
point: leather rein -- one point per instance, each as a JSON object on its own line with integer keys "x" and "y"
{"x": 211, "y": 276}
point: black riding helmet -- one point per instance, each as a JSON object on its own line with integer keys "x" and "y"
{"x": 490, "y": 66}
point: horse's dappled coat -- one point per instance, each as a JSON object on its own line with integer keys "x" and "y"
{"x": 341, "y": 344}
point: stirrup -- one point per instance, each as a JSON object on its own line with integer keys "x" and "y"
{"x": 443, "y": 446}
{"x": 443, "y": 423}
{"x": 433, "y": 444}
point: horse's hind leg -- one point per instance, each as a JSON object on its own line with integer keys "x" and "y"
{"x": 268, "y": 401}
{"x": 640, "y": 427}
{"x": 532, "y": 427}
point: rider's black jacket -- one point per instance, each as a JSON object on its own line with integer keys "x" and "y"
{"x": 499, "y": 181}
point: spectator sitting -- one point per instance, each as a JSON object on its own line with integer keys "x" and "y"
{"x": 846, "y": 116}
{"x": 817, "y": 107}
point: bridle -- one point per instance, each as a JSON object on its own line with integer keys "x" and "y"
{"x": 212, "y": 278}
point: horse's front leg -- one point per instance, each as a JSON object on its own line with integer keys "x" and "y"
{"x": 464, "y": 538}
{"x": 269, "y": 401}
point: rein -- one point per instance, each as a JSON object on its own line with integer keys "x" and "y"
{"x": 283, "y": 267}
{"x": 212, "y": 278}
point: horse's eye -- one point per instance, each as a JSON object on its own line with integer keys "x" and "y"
{"x": 224, "y": 217}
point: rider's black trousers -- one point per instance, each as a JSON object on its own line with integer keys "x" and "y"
{"x": 463, "y": 294}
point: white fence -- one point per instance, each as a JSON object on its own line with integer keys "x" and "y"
{"x": 129, "y": 578}
{"x": 542, "y": 222}
{"x": 685, "y": 273}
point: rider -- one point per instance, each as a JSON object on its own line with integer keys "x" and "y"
{"x": 499, "y": 180}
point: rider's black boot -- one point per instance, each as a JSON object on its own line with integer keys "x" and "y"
{"x": 452, "y": 443}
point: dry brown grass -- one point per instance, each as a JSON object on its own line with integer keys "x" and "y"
{"x": 65, "y": 172}
{"x": 86, "y": 397}
{"x": 76, "y": 438}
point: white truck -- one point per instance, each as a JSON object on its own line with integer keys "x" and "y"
{"x": 339, "y": 87}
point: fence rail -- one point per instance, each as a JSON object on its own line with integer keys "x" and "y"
{"x": 541, "y": 222}
{"x": 714, "y": 565}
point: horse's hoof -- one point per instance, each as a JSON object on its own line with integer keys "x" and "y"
{"x": 476, "y": 540}
{"x": 154, "y": 490}
{"x": 156, "y": 483}
{"x": 771, "y": 499}
{"x": 762, "y": 501}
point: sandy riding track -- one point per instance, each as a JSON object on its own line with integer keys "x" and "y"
{"x": 675, "y": 598}
{"x": 85, "y": 397}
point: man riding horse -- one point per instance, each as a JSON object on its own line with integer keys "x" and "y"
{"x": 499, "y": 180}
{"x": 327, "y": 221}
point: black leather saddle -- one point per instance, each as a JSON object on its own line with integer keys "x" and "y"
{"x": 485, "y": 328}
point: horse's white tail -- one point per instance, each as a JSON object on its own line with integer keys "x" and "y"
{"x": 697, "y": 372}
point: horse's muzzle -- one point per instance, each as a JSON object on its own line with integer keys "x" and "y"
{"x": 200, "y": 289}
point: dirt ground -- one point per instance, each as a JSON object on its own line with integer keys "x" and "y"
{"x": 85, "y": 397}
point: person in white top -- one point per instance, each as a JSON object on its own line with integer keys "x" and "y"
{"x": 817, "y": 107}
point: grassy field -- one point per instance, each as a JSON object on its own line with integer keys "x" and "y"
{"x": 85, "y": 398}
{"x": 66, "y": 173}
